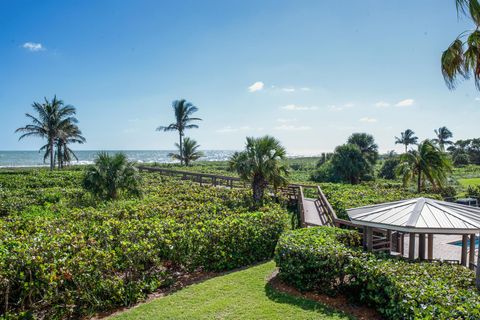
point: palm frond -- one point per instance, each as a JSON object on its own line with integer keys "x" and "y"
{"x": 453, "y": 64}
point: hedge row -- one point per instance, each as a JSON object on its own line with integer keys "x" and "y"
{"x": 57, "y": 262}
{"x": 328, "y": 260}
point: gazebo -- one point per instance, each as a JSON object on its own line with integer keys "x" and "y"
{"x": 424, "y": 217}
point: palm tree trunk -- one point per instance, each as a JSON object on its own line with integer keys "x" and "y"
{"x": 52, "y": 157}
{"x": 59, "y": 156}
{"x": 181, "y": 148}
{"x": 258, "y": 189}
{"x": 419, "y": 182}
{"x": 406, "y": 146}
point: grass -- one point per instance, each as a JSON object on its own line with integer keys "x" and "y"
{"x": 239, "y": 295}
{"x": 469, "y": 182}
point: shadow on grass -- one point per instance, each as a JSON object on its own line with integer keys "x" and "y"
{"x": 305, "y": 304}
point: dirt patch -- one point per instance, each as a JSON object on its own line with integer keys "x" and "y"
{"x": 339, "y": 302}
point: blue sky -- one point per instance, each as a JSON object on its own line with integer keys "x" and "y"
{"x": 321, "y": 70}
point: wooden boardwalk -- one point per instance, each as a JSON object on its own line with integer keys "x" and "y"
{"x": 313, "y": 213}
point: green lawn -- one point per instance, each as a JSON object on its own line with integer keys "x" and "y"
{"x": 469, "y": 182}
{"x": 239, "y": 295}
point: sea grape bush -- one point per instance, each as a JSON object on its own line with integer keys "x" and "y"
{"x": 329, "y": 260}
{"x": 345, "y": 196}
{"x": 59, "y": 260}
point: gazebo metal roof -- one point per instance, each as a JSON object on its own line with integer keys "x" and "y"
{"x": 420, "y": 215}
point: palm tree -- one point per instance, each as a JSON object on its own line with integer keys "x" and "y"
{"x": 428, "y": 162}
{"x": 443, "y": 134}
{"x": 406, "y": 138}
{"x": 366, "y": 144}
{"x": 183, "y": 112}
{"x": 462, "y": 57}
{"x": 69, "y": 133}
{"x": 261, "y": 164}
{"x": 112, "y": 175}
{"x": 52, "y": 116}
{"x": 190, "y": 151}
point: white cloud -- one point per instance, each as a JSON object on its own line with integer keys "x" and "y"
{"x": 257, "y": 86}
{"x": 367, "y": 119}
{"x": 477, "y": 99}
{"x": 333, "y": 107}
{"x": 348, "y": 105}
{"x": 289, "y": 127}
{"x": 382, "y": 104}
{"x": 228, "y": 129}
{"x": 32, "y": 46}
{"x": 292, "y": 107}
{"x": 305, "y": 89}
{"x": 288, "y": 89}
{"x": 405, "y": 103}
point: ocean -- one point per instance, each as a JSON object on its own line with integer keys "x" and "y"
{"x": 35, "y": 159}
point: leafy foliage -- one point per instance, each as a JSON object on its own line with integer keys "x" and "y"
{"x": 366, "y": 143}
{"x": 406, "y": 138}
{"x": 111, "y": 176}
{"x": 465, "y": 151}
{"x": 389, "y": 167}
{"x": 349, "y": 164}
{"x": 328, "y": 260}
{"x": 428, "y": 162}
{"x": 189, "y": 153}
{"x": 462, "y": 58}
{"x": 261, "y": 164}
{"x": 183, "y": 120}
{"x": 61, "y": 262}
{"x": 443, "y": 135}
{"x": 56, "y": 123}
{"x": 345, "y": 196}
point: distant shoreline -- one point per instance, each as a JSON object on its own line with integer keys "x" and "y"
{"x": 34, "y": 159}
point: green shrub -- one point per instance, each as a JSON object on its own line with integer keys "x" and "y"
{"x": 57, "y": 261}
{"x": 388, "y": 169}
{"x": 345, "y": 196}
{"x": 328, "y": 260}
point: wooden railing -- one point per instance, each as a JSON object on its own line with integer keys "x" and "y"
{"x": 202, "y": 178}
{"x": 301, "y": 206}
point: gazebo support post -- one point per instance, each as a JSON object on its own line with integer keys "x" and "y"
{"x": 471, "y": 257}
{"x": 430, "y": 246}
{"x": 477, "y": 272}
{"x": 365, "y": 238}
{"x": 369, "y": 238}
{"x": 464, "y": 250}
{"x": 389, "y": 238}
{"x": 411, "y": 247}
{"x": 421, "y": 246}
{"x": 402, "y": 244}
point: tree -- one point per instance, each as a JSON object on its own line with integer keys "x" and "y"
{"x": 69, "y": 133}
{"x": 366, "y": 144}
{"x": 51, "y": 117}
{"x": 389, "y": 167}
{"x": 112, "y": 175}
{"x": 183, "y": 120}
{"x": 462, "y": 58}
{"x": 406, "y": 138}
{"x": 428, "y": 162}
{"x": 261, "y": 164}
{"x": 349, "y": 164}
{"x": 443, "y": 134}
{"x": 189, "y": 151}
